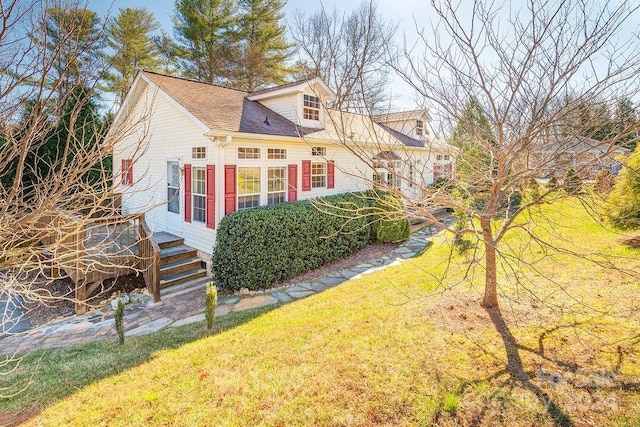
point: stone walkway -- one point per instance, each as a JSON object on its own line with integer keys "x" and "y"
{"x": 142, "y": 316}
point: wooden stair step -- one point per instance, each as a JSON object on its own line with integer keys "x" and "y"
{"x": 167, "y": 240}
{"x": 176, "y": 253}
{"x": 185, "y": 276}
{"x": 180, "y": 266}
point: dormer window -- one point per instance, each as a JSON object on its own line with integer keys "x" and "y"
{"x": 311, "y": 110}
{"x": 419, "y": 127}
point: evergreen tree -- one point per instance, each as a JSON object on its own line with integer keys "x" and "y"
{"x": 474, "y": 137}
{"x": 263, "y": 46}
{"x": 73, "y": 44}
{"x": 626, "y": 124}
{"x": 623, "y": 208}
{"x": 168, "y": 53}
{"x": 206, "y": 34}
{"x": 130, "y": 37}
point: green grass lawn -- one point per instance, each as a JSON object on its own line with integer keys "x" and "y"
{"x": 406, "y": 346}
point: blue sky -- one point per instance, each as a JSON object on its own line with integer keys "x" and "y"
{"x": 401, "y": 12}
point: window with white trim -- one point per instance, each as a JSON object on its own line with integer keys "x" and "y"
{"x": 248, "y": 153}
{"x": 319, "y": 151}
{"x": 311, "y": 110}
{"x": 248, "y": 188}
{"x": 410, "y": 175}
{"x": 198, "y": 153}
{"x": 198, "y": 189}
{"x": 276, "y": 153}
{"x": 419, "y": 127}
{"x": 318, "y": 174}
{"x": 439, "y": 157}
{"x": 442, "y": 170}
{"x": 276, "y": 185}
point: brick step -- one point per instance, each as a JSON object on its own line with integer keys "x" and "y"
{"x": 185, "y": 276}
{"x": 176, "y": 253}
{"x": 184, "y": 287}
{"x": 179, "y": 266}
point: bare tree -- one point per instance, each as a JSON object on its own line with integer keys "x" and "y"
{"x": 525, "y": 73}
{"x": 55, "y": 172}
{"x": 349, "y": 53}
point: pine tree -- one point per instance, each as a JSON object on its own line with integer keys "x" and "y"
{"x": 73, "y": 44}
{"x": 474, "y": 137}
{"x": 130, "y": 37}
{"x": 207, "y": 36}
{"x": 264, "y": 49}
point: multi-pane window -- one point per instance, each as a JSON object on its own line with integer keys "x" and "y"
{"x": 248, "y": 188}
{"x": 311, "y": 110}
{"x": 199, "y": 152}
{"x": 276, "y": 185}
{"x": 442, "y": 171}
{"x": 319, "y": 151}
{"x": 248, "y": 153}
{"x": 199, "y": 188}
{"x": 445, "y": 157}
{"x": 318, "y": 174}
{"x": 276, "y": 153}
{"x": 439, "y": 157}
{"x": 419, "y": 127}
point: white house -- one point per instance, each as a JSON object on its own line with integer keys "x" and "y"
{"x": 189, "y": 153}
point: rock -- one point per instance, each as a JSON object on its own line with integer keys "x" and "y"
{"x": 282, "y": 297}
{"x": 255, "y": 302}
{"x": 125, "y": 299}
{"x": 244, "y": 291}
{"x": 300, "y": 294}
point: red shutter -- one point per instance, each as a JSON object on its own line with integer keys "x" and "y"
{"x": 229, "y": 189}
{"x": 124, "y": 173}
{"x": 211, "y": 196}
{"x": 450, "y": 170}
{"x": 306, "y": 175}
{"x": 187, "y": 193}
{"x": 130, "y": 172}
{"x": 331, "y": 174}
{"x": 293, "y": 183}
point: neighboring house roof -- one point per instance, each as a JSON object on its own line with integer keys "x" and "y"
{"x": 222, "y": 109}
{"x": 581, "y": 145}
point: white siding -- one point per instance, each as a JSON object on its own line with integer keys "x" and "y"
{"x": 286, "y": 106}
{"x": 170, "y": 136}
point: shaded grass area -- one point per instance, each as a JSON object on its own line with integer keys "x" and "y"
{"x": 408, "y": 346}
{"x": 53, "y": 374}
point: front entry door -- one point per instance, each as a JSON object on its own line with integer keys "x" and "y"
{"x": 174, "y": 218}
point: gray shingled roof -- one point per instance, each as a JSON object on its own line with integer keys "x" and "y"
{"x": 225, "y": 109}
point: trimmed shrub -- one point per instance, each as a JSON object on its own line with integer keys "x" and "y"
{"x": 389, "y": 224}
{"x": 259, "y": 247}
{"x": 210, "y": 302}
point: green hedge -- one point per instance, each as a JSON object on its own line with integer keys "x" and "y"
{"x": 389, "y": 224}
{"x": 256, "y": 248}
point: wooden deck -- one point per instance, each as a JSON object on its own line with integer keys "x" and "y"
{"x": 93, "y": 250}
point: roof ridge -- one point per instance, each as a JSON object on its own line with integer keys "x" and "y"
{"x": 194, "y": 81}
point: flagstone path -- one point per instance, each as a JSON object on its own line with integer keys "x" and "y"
{"x": 142, "y": 316}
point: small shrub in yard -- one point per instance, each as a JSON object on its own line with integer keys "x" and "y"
{"x": 604, "y": 182}
{"x": 119, "y": 319}
{"x": 211, "y": 301}
{"x": 256, "y": 248}
{"x": 572, "y": 182}
{"x": 623, "y": 205}
{"x": 461, "y": 243}
{"x": 389, "y": 224}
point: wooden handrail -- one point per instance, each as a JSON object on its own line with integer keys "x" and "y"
{"x": 150, "y": 259}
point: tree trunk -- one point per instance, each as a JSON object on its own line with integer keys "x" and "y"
{"x": 490, "y": 299}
